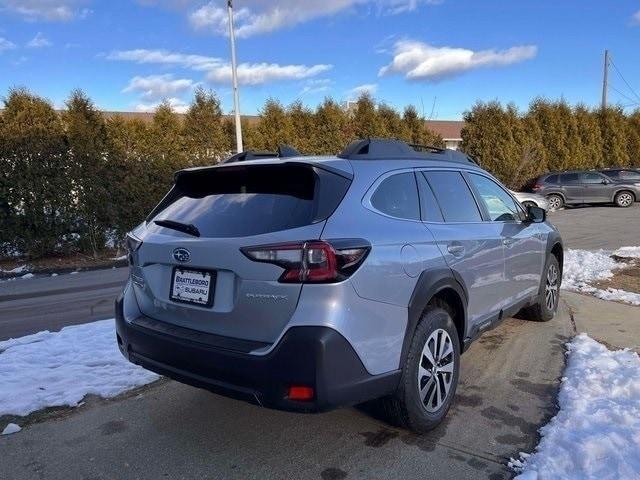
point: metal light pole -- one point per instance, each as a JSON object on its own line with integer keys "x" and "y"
{"x": 234, "y": 75}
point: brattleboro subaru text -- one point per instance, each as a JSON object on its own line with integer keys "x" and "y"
{"x": 305, "y": 283}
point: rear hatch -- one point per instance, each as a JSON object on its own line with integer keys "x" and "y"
{"x": 189, "y": 269}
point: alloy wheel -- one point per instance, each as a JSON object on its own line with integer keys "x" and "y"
{"x": 625, "y": 199}
{"x": 554, "y": 202}
{"x": 551, "y": 288}
{"x": 435, "y": 370}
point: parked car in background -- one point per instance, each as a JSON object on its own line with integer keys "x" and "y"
{"x": 622, "y": 174}
{"x": 585, "y": 187}
{"x": 531, "y": 199}
{"x": 307, "y": 283}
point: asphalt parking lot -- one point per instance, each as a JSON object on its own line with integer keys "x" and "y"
{"x": 591, "y": 228}
{"x": 508, "y": 384}
{"x": 508, "y": 387}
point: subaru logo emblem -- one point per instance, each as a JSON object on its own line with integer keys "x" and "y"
{"x": 181, "y": 255}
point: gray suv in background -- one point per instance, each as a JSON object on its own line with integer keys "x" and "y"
{"x": 586, "y": 187}
{"x": 308, "y": 283}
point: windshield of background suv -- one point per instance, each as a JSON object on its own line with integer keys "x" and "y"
{"x": 251, "y": 200}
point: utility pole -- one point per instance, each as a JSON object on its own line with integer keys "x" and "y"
{"x": 605, "y": 79}
{"x": 234, "y": 76}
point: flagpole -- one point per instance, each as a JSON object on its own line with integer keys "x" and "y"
{"x": 234, "y": 76}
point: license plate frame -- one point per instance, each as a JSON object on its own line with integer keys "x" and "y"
{"x": 189, "y": 301}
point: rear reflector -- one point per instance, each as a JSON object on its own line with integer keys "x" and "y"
{"x": 299, "y": 393}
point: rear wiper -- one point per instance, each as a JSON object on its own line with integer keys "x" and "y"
{"x": 189, "y": 228}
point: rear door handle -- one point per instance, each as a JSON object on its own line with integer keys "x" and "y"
{"x": 455, "y": 249}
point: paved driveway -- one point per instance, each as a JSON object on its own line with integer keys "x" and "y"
{"x": 508, "y": 384}
{"x": 605, "y": 227}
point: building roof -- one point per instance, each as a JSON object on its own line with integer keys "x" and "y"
{"x": 448, "y": 129}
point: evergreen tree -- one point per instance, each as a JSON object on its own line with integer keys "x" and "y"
{"x": 204, "y": 135}
{"x": 417, "y": 131}
{"x": 392, "y": 124}
{"x": 36, "y": 186}
{"x": 590, "y": 154}
{"x": 613, "y": 126}
{"x": 87, "y": 139}
{"x": 366, "y": 122}
{"x": 633, "y": 138}
{"x": 333, "y": 129}
{"x": 302, "y": 127}
{"x": 274, "y": 128}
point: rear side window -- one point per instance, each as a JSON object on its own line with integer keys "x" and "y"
{"x": 551, "y": 179}
{"x": 591, "y": 178}
{"x": 570, "y": 178}
{"x": 454, "y": 197}
{"x": 397, "y": 196}
{"x": 249, "y": 200}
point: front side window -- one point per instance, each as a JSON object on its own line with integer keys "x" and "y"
{"x": 499, "y": 204}
{"x": 454, "y": 197}
{"x": 397, "y": 196}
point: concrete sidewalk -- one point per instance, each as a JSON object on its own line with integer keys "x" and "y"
{"x": 615, "y": 324}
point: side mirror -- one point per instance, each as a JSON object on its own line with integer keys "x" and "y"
{"x": 605, "y": 181}
{"x": 536, "y": 214}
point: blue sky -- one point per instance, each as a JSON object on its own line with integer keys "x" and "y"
{"x": 130, "y": 54}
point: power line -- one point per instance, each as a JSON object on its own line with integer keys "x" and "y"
{"x": 622, "y": 94}
{"x": 623, "y": 79}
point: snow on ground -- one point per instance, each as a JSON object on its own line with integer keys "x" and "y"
{"x": 20, "y": 269}
{"x": 11, "y": 428}
{"x": 596, "y": 433}
{"x": 58, "y": 369}
{"x": 583, "y": 267}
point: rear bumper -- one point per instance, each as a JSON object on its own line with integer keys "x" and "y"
{"x": 317, "y": 357}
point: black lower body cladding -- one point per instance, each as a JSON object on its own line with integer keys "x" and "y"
{"x": 317, "y": 357}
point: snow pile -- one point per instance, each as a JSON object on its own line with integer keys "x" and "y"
{"x": 628, "y": 252}
{"x": 59, "y": 369}
{"x": 20, "y": 269}
{"x": 582, "y": 267}
{"x": 596, "y": 433}
{"x": 11, "y": 428}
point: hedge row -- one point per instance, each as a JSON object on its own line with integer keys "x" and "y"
{"x": 72, "y": 181}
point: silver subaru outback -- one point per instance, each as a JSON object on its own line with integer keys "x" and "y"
{"x": 308, "y": 283}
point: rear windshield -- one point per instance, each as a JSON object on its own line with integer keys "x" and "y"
{"x": 249, "y": 200}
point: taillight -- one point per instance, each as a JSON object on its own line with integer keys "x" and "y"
{"x": 536, "y": 187}
{"x": 313, "y": 261}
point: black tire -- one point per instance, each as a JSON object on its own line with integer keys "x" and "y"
{"x": 540, "y": 311}
{"x": 624, "y": 199}
{"x": 406, "y": 406}
{"x": 556, "y": 202}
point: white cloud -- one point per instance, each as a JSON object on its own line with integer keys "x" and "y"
{"x": 39, "y": 41}
{"x": 369, "y": 88}
{"x": 259, "y": 73}
{"x": 421, "y": 61}
{"x": 258, "y": 16}
{"x": 164, "y": 57}
{"x": 635, "y": 18}
{"x": 154, "y": 87}
{"x": 219, "y": 71}
{"x": 316, "y": 85}
{"x": 178, "y": 105}
{"x": 6, "y": 45}
{"x": 49, "y": 10}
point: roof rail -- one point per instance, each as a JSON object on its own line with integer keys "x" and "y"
{"x": 388, "y": 149}
{"x": 284, "y": 151}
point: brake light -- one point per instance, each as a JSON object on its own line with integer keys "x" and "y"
{"x": 313, "y": 261}
{"x": 536, "y": 187}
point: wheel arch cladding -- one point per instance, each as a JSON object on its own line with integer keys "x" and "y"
{"x": 441, "y": 284}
